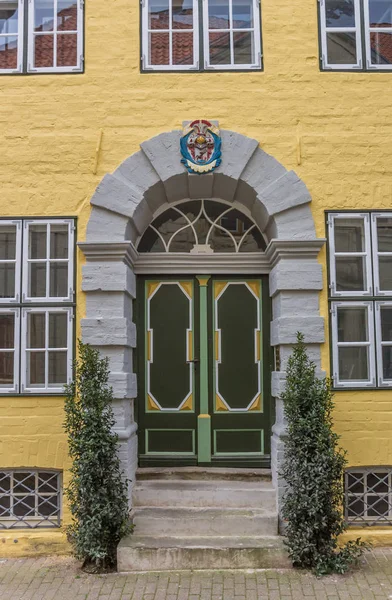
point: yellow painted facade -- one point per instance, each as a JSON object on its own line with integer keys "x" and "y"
{"x": 331, "y": 128}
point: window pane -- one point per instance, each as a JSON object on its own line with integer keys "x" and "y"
{"x": 43, "y": 51}
{"x": 242, "y": 13}
{"x": 48, "y": 506}
{"x": 341, "y": 48}
{"x": 387, "y": 362}
{"x": 37, "y": 280}
{"x": 340, "y": 13}
{"x": 384, "y": 234}
{"x": 350, "y": 273}
{"x": 36, "y": 368}
{"x": 159, "y": 49}
{"x": 182, "y": 48}
{"x": 380, "y": 13}
{"x": 8, "y": 52}
{"x": 67, "y": 46}
{"x": 57, "y": 368}
{"x": 7, "y": 280}
{"x": 24, "y": 506}
{"x": 377, "y": 506}
{"x": 381, "y": 48}
{"x": 355, "y": 483}
{"x": 7, "y": 242}
{"x": 386, "y": 323}
{"x": 5, "y": 503}
{"x": 220, "y": 49}
{"x": 58, "y": 280}
{"x": 349, "y": 235}
{"x": 43, "y": 15}
{"x": 9, "y": 17}
{"x": 67, "y": 15}
{"x": 37, "y": 241}
{"x": 59, "y": 241}
{"x": 6, "y": 369}
{"x": 47, "y": 482}
{"x": 352, "y": 324}
{"x": 24, "y": 482}
{"x": 385, "y": 272}
{"x": 182, "y": 15}
{"x": 58, "y": 330}
{"x": 377, "y": 482}
{"x": 243, "y": 48}
{"x": 355, "y": 506}
{"x": 7, "y": 331}
{"x": 218, "y": 14}
{"x": 158, "y": 14}
{"x": 353, "y": 364}
{"x": 35, "y": 330}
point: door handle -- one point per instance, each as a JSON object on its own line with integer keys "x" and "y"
{"x": 195, "y": 360}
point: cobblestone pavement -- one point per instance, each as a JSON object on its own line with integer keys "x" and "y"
{"x": 60, "y": 578}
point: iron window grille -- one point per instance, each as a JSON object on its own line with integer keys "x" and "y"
{"x": 30, "y": 498}
{"x": 368, "y": 496}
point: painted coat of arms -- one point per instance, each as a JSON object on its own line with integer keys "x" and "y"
{"x": 201, "y": 147}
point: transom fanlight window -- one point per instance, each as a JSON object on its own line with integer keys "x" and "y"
{"x": 202, "y": 226}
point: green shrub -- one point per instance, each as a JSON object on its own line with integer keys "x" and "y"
{"x": 313, "y": 470}
{"x": 97, "y": 493}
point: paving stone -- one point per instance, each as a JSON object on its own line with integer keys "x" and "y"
{"x": 60, "y": 578}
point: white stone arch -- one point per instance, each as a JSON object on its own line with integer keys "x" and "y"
{"x": 122, "y": 207}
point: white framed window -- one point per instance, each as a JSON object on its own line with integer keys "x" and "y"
{"x": 384, "y": 345}
{"x": 53, "y": 41}
{"x": 353, "y": 343}
{"x": 360, "y": 284}
{"x": 378, "y": 33}
{"x": 46, "y": 349}
{"x": 48, "y": 272}
{"x": 382, "y": 253}
{"x": 10, "y": 260}
{"x": 201, "y": 35}
{"x": 350, "y": 254}
{"x": 37, "y": 303}
{"x": 11, "y": 36}
{"x": 9, "y": 343}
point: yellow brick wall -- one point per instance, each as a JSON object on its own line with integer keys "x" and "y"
{"x": 335, "y": 124}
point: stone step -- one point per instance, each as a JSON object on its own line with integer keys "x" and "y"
{"x": 211, "y": 493}
{"x": 159, "y": 521}
{"x": 205, "y": 473}
{"x": 144, "y": 553}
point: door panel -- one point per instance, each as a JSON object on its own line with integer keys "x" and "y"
{"x": 202, "y": 349}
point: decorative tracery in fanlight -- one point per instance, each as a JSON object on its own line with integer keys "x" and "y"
{"x": 202, "y": 227}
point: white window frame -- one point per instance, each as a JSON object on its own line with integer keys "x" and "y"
{"x": 380, "y": 343}
{"x": 31, "y": 36}
{"x": 376, "y": 254}
{"x": 26, "y": 260}
{"x": 332, "y": 217}
{"x": 256, "y": 40}
{"x": 325, "y": 30}
{"x": 350, "y": 383}
{"x": 368, "y": 30}
{"x": 24, "y": 350}
{"x": 14, "y": 389}
{"x": 145, "y": 40}
{"x": 19, "y": 35}
{"x": 16, "y": 261}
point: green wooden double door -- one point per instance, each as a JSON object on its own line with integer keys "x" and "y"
{"x": 203, "y": 361}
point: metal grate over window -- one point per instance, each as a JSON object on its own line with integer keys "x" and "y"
{"x": 30, "y": 498}
{"x": 368, "y": 496}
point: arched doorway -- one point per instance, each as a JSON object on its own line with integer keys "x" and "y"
{"x": 152, "y": 180}
{"x": 203, "y": 353}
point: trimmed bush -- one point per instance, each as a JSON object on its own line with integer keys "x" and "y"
{"x": 97, "y": 493}
{"x": 313, "y": 471}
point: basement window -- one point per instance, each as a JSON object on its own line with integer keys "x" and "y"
{"x": 368, "y": 496}
{"x": 30, "y": 498}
